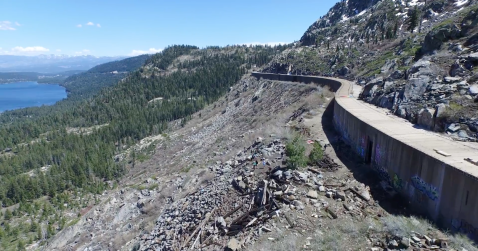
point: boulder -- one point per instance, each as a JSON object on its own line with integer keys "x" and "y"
{"x": 454, "y": 127}
{"x": 340, "y": 195}
{"x": 415, "y": 88}
{"x": 455, "y": 47}
{"x": 402, "y": 112}
{"x": 287, "y": 175}
{"x": 140, "y": 204}
{"x": 397, "y": 74}
{"x": 389, "y": 66}
{"x": 425, "y": 118}
{"x": 423, "y": 67}
{"x": 312, "y": 194}
{"x": 343, "y": 71}
{"x": 472, "y": 57}
{"x": 457, "y": 70}
{"x": 386, "y": 100}
{"x": 452, "y": 79}
{"x": 469, "y": 22}
{"x": 365, "y": 194}
{"x": 232, "y": 245}
{"x": 473, "y": 89}
{"x": 278, "y": 193}
{"x": 240, "y": 185}
{"x": 371, "y": 87}
{"x": 463, "y": 134}
{"x": 302, "y": 176}
{"x": 436, "y": 37}
{"x": 439, "y": 113}
{"x": 473, "y": 126}
{"x": 277, "y": 174}
{"x": 145, "y": 192}
{"x": 298, "y": 204}
{"x": 221, "y": 222}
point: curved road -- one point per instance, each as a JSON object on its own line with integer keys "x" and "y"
{"x": 428, "y": 168}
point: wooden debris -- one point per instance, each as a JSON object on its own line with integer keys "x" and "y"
{"x": 331, "y": 212}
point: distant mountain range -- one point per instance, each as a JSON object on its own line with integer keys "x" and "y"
{"x": 51, "y": 63}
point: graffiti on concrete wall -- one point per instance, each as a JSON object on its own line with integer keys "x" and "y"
{"x": 468, "y": 229}
{"x": 382, "y": 172}
{"x": 362, "y": 146}
{"x": 340, "y": 127}
{"x": 429, "y": 190}
{"x": 397, "y": 183}
{"x": 379, "y": 154}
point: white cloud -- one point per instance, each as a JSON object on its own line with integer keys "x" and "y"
{"x": 82, "y": 52}
{"x": 90, "y": 23}
{"x": 98, "y": 25}
{"x": 58, "y": 50}
{"x": 268, "y": 43}
{"x": 6, "y": 26}
{"x": 141, "y": 52}
{"x": 30, "y": 49}
{"x": 17, "y": 24}
{"x": 24, "y": 51}
{"x": 79, "y": 25}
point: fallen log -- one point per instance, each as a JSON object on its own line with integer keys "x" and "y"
{"x": 233, "y": 211}
{"x": 199, "y": 227}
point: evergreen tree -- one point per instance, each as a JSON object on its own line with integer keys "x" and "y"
{"x": 395, "y": 29}
{"x": 39, "y": 234}
{"x": 8, "y": 214}
{"x": 413, "y": 19}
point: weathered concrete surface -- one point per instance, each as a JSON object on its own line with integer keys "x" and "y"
{"x": 428, "y": 169}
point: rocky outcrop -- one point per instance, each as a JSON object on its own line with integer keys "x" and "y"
{"x": 340, "y": 10}
{"x": 426, "y": 118}
{"x": 436, "y": 37}
{"x": 423, "y": 97}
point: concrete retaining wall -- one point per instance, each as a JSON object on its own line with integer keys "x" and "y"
{"x": 446, "y": 194}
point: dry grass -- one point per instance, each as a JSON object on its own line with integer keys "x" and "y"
{"x": 343, "y": 235}
{"x": 350, "y": 234}
{"x": 404, "y": 226}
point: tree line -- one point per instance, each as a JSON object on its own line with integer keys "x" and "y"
{"x": 78, "y": 161}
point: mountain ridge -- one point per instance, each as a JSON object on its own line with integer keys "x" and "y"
{"x": 390, "y": 48}
{"x": 51, "y": 63}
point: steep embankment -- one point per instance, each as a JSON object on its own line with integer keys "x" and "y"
{"x": 416, "y": 58}
{"x": 185, "y": 159}
{"x": 43, "y": 160}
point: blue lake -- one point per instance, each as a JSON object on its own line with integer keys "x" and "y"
{"x": 28, "y": 94}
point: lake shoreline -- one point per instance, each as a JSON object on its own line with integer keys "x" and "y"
{"x": 18, "y": 95}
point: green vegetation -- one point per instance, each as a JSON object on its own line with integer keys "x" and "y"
{"x": 295, "y": 151}
{"x": 45, "y": 169}
{"x": 414, "y": 19}
{"x": 80, "y": 87}
{"x": 373, "y": 66}
{"x": 85, "y": 162}
{"x": 49, "y": 78}
{"x": 316, "y": 154}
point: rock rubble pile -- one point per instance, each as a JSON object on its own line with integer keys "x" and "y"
{"x": 236, "y": 207}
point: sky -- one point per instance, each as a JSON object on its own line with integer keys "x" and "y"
{"x": 128, "y": 28}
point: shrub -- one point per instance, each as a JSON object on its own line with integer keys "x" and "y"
{"x": 316, "y": 154}
{"x": 295, "y": 151}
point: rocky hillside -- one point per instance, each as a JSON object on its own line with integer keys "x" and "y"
{"x": 415, "y": 58}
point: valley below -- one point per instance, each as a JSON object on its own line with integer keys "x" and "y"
{"x": 360, "y": 135}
